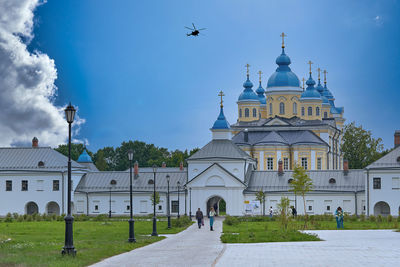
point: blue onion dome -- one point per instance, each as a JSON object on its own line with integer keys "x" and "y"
{"x": 310, "y": 92}
{"x": 84, "y": 157}
{"x": 283, "y": 76}
{"x": 319, "y": 87}
{"x": 248, "y": 93}
{"x": 325, "y": 101}
{"x": 260, "y": 93}
{"x": 221, "y": 122}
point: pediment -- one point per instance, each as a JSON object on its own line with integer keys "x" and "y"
{"x": 276, "y": 122}
{"x": 215, "y": 176}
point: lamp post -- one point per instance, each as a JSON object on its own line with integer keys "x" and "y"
{"x": 190, "y": 203}
{"x": 69, "y": 239}
{"x": 109, "y": 211}
{"x": 154, "y": 204}
{"x": 168, "y": 210}
{"x": 184, "y": 187}
{"x": 179, "y": 185}
{"x": 131, "y": 221}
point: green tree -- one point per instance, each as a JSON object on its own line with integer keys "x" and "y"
{"x": 284, "y": 212}
{"x": 260, "y": 196}
{"x": 301, "y": 184}
{"x": 76, "y": 150}
{"x": 359, "y": 147}
{"x": 157, "y": 198}
{"x": 101, "y": 163}
{"x": 109, "y": 156}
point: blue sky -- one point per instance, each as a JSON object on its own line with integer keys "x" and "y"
{"x": 134, "y": 73}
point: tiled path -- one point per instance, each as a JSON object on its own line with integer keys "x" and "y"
{"x": 194, "y": 247}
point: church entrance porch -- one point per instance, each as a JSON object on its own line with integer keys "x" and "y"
{"x": 218, "y": 203}
{"x": 381, "y": 208}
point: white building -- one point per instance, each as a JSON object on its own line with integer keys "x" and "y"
{"x": 383, "y": 183}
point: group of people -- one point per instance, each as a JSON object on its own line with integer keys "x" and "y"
{"x": 200, "y": 218}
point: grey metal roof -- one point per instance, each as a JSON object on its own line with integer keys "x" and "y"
{"x": 101, "y": 181}
{"x": 387, "y": 161}
{"x": 28, "y": 158}
{"x": 295, "y": 137}
{"x": 270, "y": 181}
{"x": 293, "y": 121}
{"x": 159, "y": 169}
{"x": 220, "y": 149}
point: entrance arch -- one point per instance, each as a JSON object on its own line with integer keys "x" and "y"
{"x": 381, "y": 208}
{"x": 31, "y": 208}
{"x": 218, "y": 203}
{"x": 53, "y": 208}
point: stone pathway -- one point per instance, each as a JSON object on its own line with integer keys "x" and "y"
{"x": 340, "y": 248}
{"x": 192, "y": 247}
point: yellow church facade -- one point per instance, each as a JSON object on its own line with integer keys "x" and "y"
{"x": 288, "y": 123}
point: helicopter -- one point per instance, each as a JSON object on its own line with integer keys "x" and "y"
{"x": 195, "y": 32}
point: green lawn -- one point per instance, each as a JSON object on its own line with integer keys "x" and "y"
{"x": 263, "y": 229}
{"x": 40, "y": 243}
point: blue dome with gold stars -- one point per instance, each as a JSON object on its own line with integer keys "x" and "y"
{"x": 283, "y": 76}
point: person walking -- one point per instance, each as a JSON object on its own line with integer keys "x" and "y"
{"x": 294, "y": 212}
{"x": 271, "y": 212}
{"x": 339, "y": 218}
{"x": 199, "y": 217}
{"x": 211, "y": 214}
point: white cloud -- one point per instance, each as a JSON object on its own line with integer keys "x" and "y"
{"x": 27, "y": 82}
{"x": 378, "y": 20}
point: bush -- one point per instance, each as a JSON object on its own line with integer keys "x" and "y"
{"x": 20, "y": 219}
{"x": 82, "y": 217}
{"x": 229, "y": 220}
{"x": 379, "y": 218}
{"x": 15, "y": 215}
{"x": 390, "y": 218}
{"x": 8, "y": 218}
{"x": 29, "y": 218}
{"x": 100, "y": 217}
{"x": 372, "y": 218}
{"x": 398, "y": 218}
{"x": 181, "y": 222}
{"x": 362, "y": 217}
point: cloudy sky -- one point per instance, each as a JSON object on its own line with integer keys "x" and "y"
{"x": 134, "y": 74}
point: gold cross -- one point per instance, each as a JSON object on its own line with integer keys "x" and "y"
{"x": 319, "y": 71}
{"x": 221, "y": 94}
{"x": 259, "y": 73}
{"x": 283, "y": 35}
{"x": 303, "y": 82}
{"x": 325, "y": 72}
{"x": 247, "y": 66}
{"x": 309, "y": 62}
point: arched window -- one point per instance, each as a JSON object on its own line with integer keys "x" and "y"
{"x": 40, "y": 164}
{"x": 332, "y": 181}
{"x": 270, "y": 108}
{"x": 294, "y": 108}
{"x": 309, "y": 111}
{"x": 317, "y": 111}
{"x": 281, "y": 108}
{"x": 325, "y": 114}
{"x": 150, "y": 181}
{"x": 254, "y": 112}
{"x": 246, "y": 112}
{"x": 302, "y": 111}
{"x": 240, "y": 113}
{"x": 290, "y": 181}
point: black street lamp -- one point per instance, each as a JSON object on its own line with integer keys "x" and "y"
{"x": 179, "y": 186}
{"x": 112, "y": 184}
{"x": 69, "y": 239}
{"x": 184, "y": 187}
{"x": 109, "y": 211}
{"x": 154, "y": 204}
{"x": 190, "y": 203}
{"x": 168, "y": 208}
{"x": 131, "y": 221}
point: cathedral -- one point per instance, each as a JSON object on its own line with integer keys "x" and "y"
{"x": 278, "y": 127}
{"x": 288, "y": 122}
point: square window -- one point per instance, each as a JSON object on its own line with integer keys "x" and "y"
{"x": 328, "y": 207}
{"x": 128, "y": 207}
{"x": 270, "y": 163}
{"x": 377, "y": 183}
{"x": 363, "y": 207}
{"x": 8, "y": 185}
{"x": 285, "y": 163}
{"x": 24, "y": 185}
{"x": 310, "y": 208}
{"x": 56, "y": 185}
{"x": 96, "y": 207}
{"x": 319, "y": 163}
{"x": 159, "y": 207}
{"x": 304, "y": 163}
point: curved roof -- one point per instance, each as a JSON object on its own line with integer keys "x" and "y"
{"x": 310, "y": 92}
{"x": 221, "y": 122}
{"x": 84, "y": 157}
{"x": 260, "y": 93}
{"x": 283, "y": 76}
{"x": 248, "y": 93}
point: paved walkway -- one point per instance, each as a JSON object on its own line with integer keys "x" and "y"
{"x": 340, "y": 248}
{"x": 192, "y": 247}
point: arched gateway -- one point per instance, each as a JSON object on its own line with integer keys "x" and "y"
{"x": 218, "y": 203}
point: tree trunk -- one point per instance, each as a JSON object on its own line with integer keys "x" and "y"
{"x": 305, "y": 212}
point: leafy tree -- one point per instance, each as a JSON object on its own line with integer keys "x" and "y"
{"x": 76, "y": 150}
{"x": 359, "y": 147}
{"x": 157, "y": 198}
{"x": 101, "y": 162}
{"x": 301, "y": 184}
{"x": 260, "y": 196}
{"x": 109, "y": 156}
{"x": 284, "y": 212}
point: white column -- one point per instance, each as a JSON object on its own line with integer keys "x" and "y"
{"x": 262, "y": 167}
{"x": 295, "y": 158}
{"x": 313, "y": 154}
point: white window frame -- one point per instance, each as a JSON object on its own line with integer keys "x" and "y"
{"x": 294, "y": 108}
{"x": 304, "y": 163}
{"x": 281, "y": 108}
{"x": 285, "y": 163}
{"x": 319, "y": 163}
{"x": 270, "y": 163}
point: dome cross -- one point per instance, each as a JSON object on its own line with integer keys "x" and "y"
{"x": 325, "y": 72}
{"x": 248, "y": 72}
{"x": 303, "y": 82}
{"x": 319, "y": 74}
{"x": 309, "y": 62}
{"x": 259, "y": 73}
{"x": 221, "y": 94}
{"x": 283, "y": 35}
